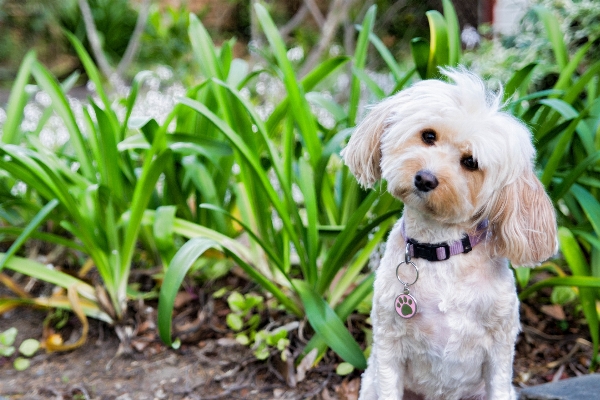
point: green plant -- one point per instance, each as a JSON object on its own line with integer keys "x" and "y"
{"x": 308, "y": 229}
{"x": 317, "y": 216}
{"x": 244, "y": 319}
{"x": 7, "y": 339}
{"x": 27, "y": 348}
{"x": 565, "y": 122}
{"x": 114, "y": 19}
{"x": 102, "y": 201}
{"x": 165, "y": 39}
{"x": 34, "y": 24}
{"x": 571, "y": 25}
{"x": 443, "y": 49}
{"x": 241, "y": 316}
{"x": 444, "y": 46}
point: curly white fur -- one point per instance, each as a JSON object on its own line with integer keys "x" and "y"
{"x": 460, "y": 344}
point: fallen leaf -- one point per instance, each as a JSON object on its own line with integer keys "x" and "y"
{"x": 146, "y": 326}
{"x": 555, "y": 311}
{"x": 227, "y": 342}
{"x": 529, "y": 313}
{"x": 285, "y": 366}
{"x": 139, "y": 345}
{"x": 325, "y": 395}
{"x": 306, "y": 364}
{"x": 182, "y": 298}
{"x": 348, "y": 390}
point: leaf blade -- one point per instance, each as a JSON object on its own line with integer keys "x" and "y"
{"x": 178, "y": 268}
{"x": 329, "y": 326}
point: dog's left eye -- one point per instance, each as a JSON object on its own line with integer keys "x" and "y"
{"x": 469, "y": 163}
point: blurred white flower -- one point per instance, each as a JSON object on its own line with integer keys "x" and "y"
{"x": 295, "y": 54}
{"x": 470, "y": 37}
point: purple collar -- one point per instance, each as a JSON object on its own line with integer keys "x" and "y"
{"x": 443, "y": 251}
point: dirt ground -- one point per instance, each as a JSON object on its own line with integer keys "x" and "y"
{"x": 211, "y": 369}
{"x": 211, "y": 365}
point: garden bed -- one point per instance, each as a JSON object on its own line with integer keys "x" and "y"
{"x": 210, "y": 364}
{"x": 215, "y": 179}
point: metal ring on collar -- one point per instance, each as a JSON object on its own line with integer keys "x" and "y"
{"x": 400, "y": 279}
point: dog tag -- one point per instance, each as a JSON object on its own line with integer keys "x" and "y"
{"x": 406, "y": 305}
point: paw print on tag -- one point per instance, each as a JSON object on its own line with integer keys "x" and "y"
{"x": 406, "y": 306}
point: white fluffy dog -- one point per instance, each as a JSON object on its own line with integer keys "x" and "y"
{"x": 445, "y": 310}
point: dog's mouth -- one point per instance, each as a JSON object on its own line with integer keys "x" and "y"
{"x": 429, "y": 203}
{"x": 413, "y": 197}
{"x": 420, "y": 194}
{"x": 420, "y": 199}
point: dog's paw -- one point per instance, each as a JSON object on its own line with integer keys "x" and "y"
{"x": 406, "y": 306}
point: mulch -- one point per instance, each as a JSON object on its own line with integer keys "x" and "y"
{"x": 549, "y": 349}
{"x": 554, "y": 344}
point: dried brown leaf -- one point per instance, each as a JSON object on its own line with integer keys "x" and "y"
{"x": 348, "y": 390}
{"x": 556, "y": 311}
{"x": 306, "y": 364}
{"x": 182, "y": 298}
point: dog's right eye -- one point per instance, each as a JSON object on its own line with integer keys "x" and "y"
{"x": 429, "y": 136}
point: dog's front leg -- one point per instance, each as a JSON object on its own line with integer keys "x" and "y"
{"x": 368, "y": 383}
{"x": 389, "y": 372}
{"x": 498, "y": 374}
{"x": 372, "y": 385}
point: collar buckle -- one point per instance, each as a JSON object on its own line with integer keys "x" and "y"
{"x": 430, "y": 252}
{"x": 466, "y": 243}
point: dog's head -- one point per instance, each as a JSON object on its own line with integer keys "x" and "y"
{"x": 447, "y": 151}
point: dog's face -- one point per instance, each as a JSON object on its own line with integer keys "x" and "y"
{"x": 431, "y": 167}
{"x": 448, "y": 152}
{"x": 445, "y": 159}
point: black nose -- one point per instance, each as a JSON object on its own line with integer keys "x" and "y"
{"x": 425, "y": 181}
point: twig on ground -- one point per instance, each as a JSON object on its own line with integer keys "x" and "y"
{"x": 320, "y": 387}
{"x": 536, "y": 332}
{"x": 81, "y": 390}
{"x": 565, "y": 358}
{"x": 558, "y": 373}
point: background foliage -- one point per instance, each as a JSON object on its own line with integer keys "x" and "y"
{"x": 243, "y": 170}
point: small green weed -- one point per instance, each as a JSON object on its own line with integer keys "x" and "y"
{"x": 27, "y": 348}
{"x": 245, "y": 318}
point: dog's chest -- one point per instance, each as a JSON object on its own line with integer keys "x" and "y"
{"x": 455, "y": 302}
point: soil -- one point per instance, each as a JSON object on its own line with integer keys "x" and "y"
{"x": 212, "y": 369}
{"x": 210, "y": 364}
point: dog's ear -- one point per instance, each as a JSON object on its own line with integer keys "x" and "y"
{"x": 363, "y": 152}
{"x": 524, "y": 222}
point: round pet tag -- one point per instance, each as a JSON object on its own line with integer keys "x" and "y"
{"x": 406, "y": 306}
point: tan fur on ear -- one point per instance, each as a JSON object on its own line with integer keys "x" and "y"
{"x": 363, "y": 152}
{"x": 524, "y": 222}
